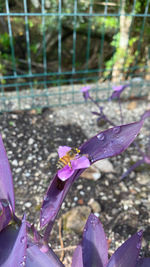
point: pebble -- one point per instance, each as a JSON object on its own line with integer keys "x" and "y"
{"x": 18, "y": 170}
{"x": 105, "y": 166}
{"x": 75, "y": 219}
{"x": 28, "y": 204}
{"x": 79, "y": 187}
{"x": 30, "y": 141}
{"x": 95, "y": 206}
{"x": 15, "y": 162}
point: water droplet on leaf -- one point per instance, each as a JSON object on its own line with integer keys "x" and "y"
{"x": 101, "y": 136}
{"x": 140, "y": 233}
{"x": 117, "y": 129}
{"x": 22, "y": 239}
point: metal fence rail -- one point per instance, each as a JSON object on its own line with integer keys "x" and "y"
{"x": 27, "y": 78}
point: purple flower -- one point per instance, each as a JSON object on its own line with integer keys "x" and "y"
{"x": 105, "y": 144}
{"x": 117, "y": 90}
{"x": 93, "y": 249}
{"x": 77, "y": 163}
{"x": 85, "y": 91}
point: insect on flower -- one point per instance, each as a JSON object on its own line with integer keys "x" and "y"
{"x": 72, "y": 154}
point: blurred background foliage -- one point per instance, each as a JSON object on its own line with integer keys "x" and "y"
{"x": 114, "y": 44}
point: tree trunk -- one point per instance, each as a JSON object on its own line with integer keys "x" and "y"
{"x": 121, "y": 50}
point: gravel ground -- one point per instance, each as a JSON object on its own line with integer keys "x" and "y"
{"x": 31, "y": 139}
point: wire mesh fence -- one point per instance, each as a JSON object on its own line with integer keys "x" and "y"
{"x": 49, "y": 49}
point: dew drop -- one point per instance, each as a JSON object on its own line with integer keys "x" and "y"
{"x": 117, "y": 129}
{"x": 140, "y": 233}
{"x": 43, "y": 219}
{"x": 46, "y": 198}
{"x": 22, "y": 264}
{"x": 101, "y": 136}
{"x": 22, "y": 239}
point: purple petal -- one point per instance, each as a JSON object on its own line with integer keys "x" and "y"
{"x": 143, "y": 263}
{"x": 36, "y": 258}
{"x": 111, "y": 142}
{"x": 6, "y": 184}
{"x": 85, "y": 89}
{"x": 65, "y": 173}
{"x": 134, "y": 166}
{"x": 128, "y": 253}
{"x": 80, "y": 163}
{"x": 118, "y": 90}
{"x": 5, "y": 213}
{"x": 106, "y": 144}
{"x": 77, "y": 260}
{"x": 62, "y": 150}
{"x": 13, "y": 246}
{"x": 94, "y": 243}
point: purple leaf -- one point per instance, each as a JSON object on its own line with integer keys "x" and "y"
{"x": 94, "y": 243}
{"x": 134, "y": 166}
{"x": 145, "y": 115}
{"x": 5, "y": 213}
{"x": 37, "y": 258}
{"x": 6, "y": 183}
{"x": 13, "y": 246}
{"x": 143, "y": 263}
{"x": 77, "y": 260}
{"x": 105, "y": 144}
{"x": 111, "y": 142}
{"x": 128, "y": 253}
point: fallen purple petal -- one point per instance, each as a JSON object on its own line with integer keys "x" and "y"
{"x": 6, "y": 183}
{"x": 128, "y": 253}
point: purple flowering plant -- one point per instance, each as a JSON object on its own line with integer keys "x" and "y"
{"x": 117, "y": 90}
{"x": 93, "y": 249}
{"x": 21, "y": 244}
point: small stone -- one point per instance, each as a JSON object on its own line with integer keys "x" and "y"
{"x": 92, "y": 173}
{"x": 18, "y": 170}
{"x": 30, "y": 141}
{"x": 20, "y": 163}
{"x": 105, "y": 166}
{"x": 76, "y": 218}
{"x": 143, "y": 179}
{"x": 82, "y": 193}
{"x": 15, "y": 162}
{"x": 28, "y": 204}
{"x": 80, "y": 186}
{"x": 95, "y": 206}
